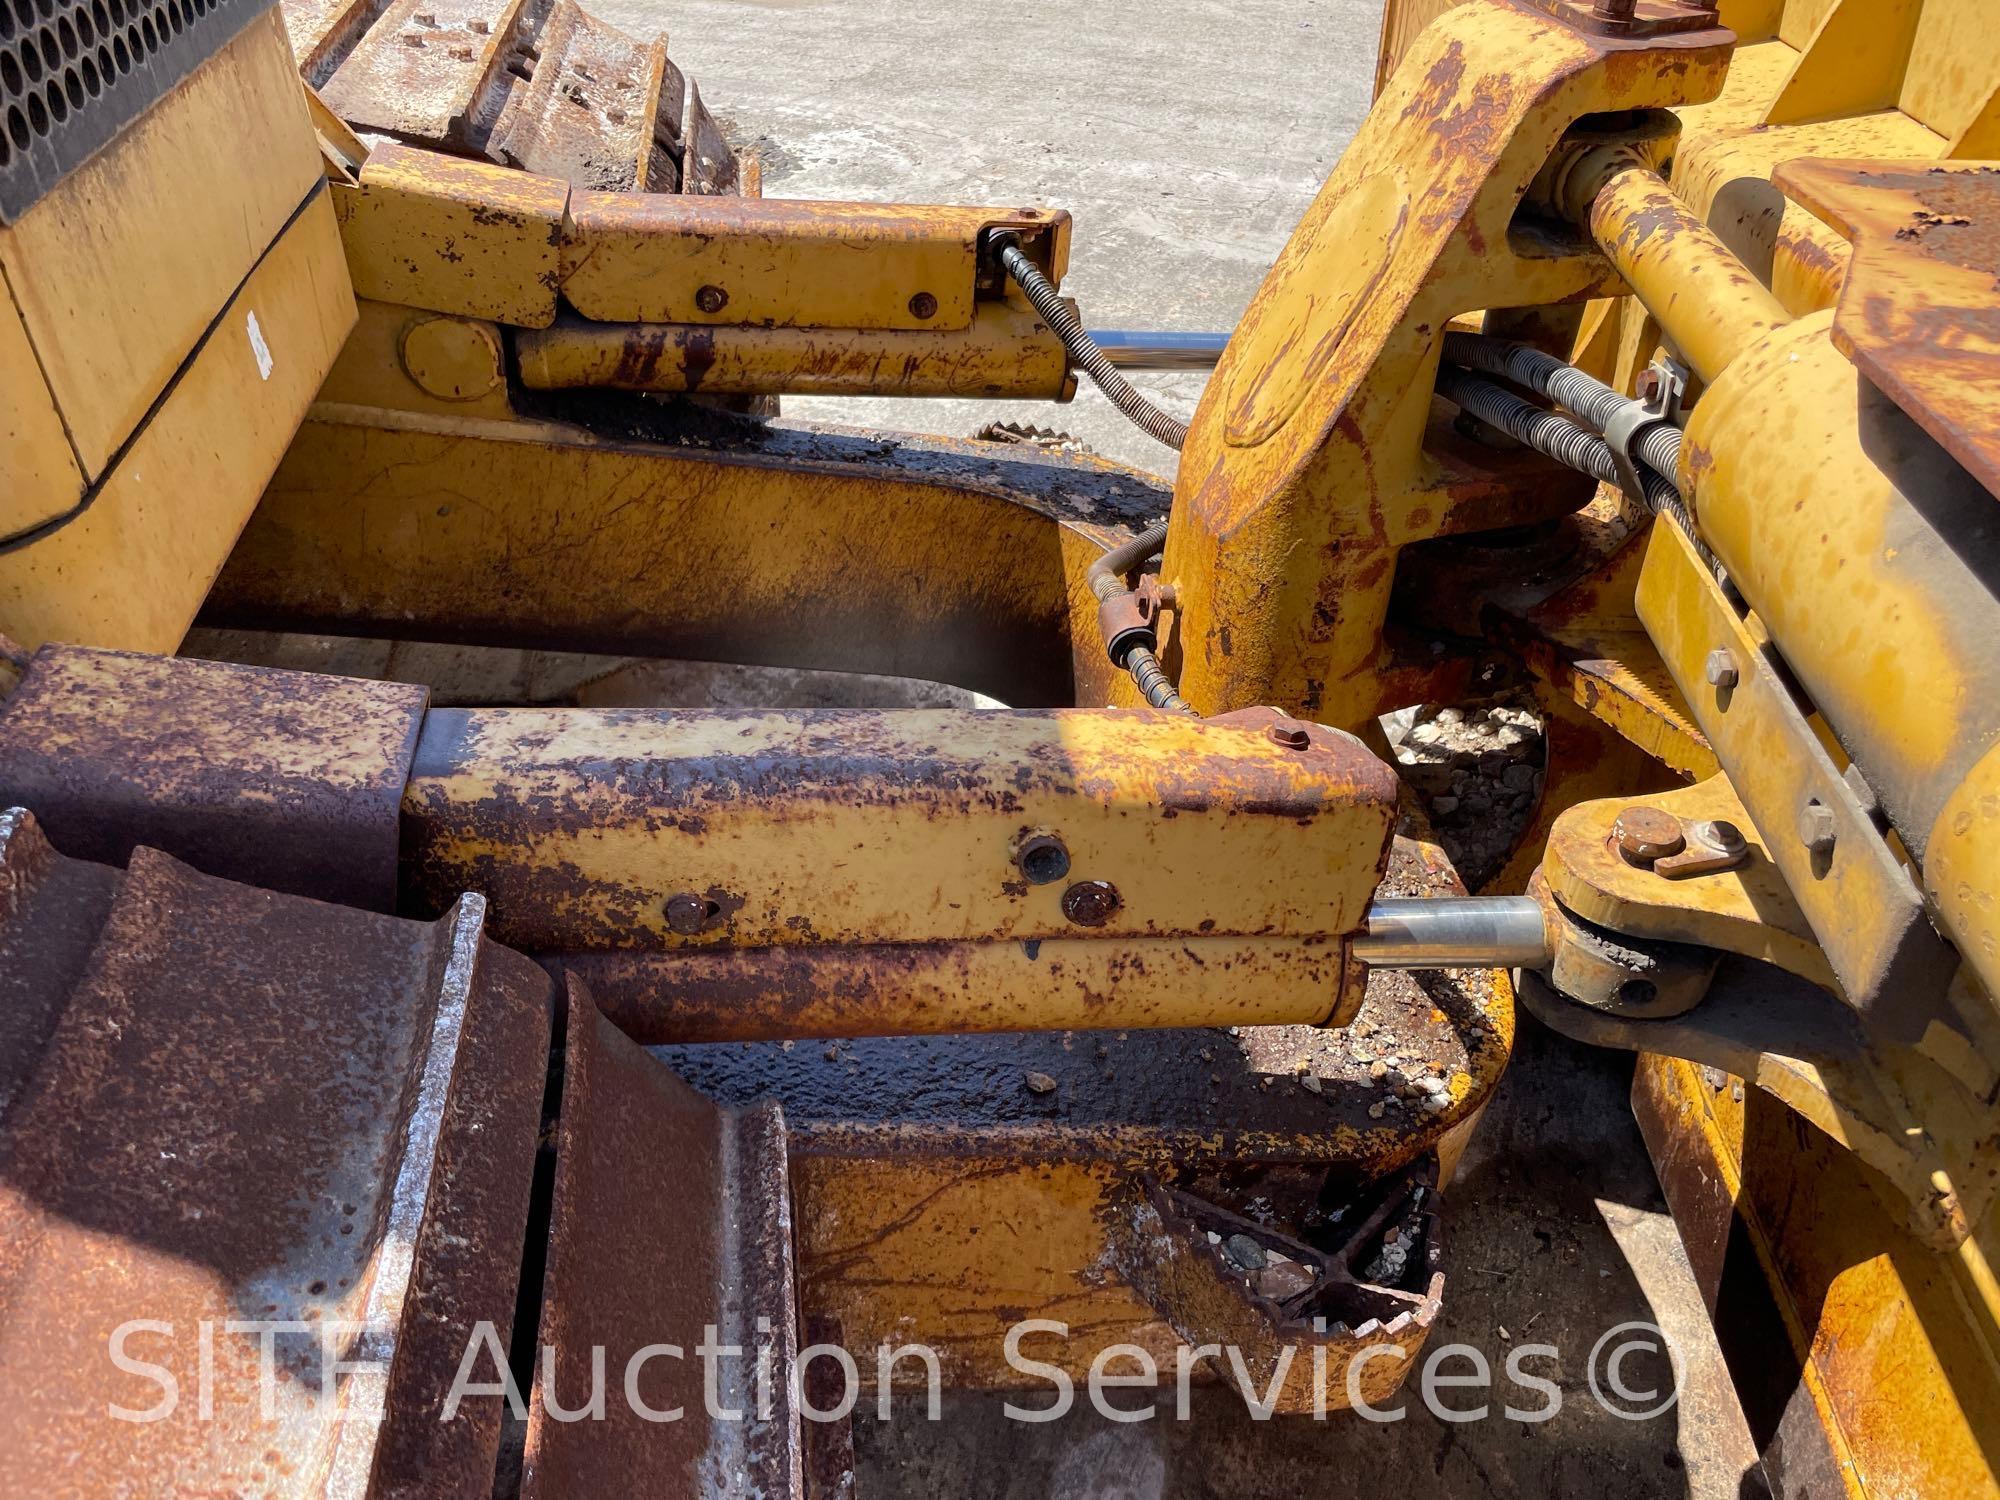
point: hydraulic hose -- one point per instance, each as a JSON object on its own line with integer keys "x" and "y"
{"x": 1107, "y": 581}
{"x": 1567, "y": 386}
{"x": 1107, "y": 575}
{"x": 1083, "y": 350}
{"x": 1560, "y": 438}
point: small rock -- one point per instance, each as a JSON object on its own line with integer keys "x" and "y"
{"x": 1282, "y": 1279}
{"x": 1309, "y": 1083}
{"x": 1378, "y": 1109}
{"x": 1427, "y": 1084}
{"x": 1040, "y": 1083}
{"x": 1519, "y": 777}
{"x": 1361, "y": 1055}
{"x": 1378, "y": 1071}
{"x": 1205, "y": 1055}
{"x": 1244, "y": 1253}
{"x": 1444, "y": 807}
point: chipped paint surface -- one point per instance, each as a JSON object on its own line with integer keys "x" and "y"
{"x": 856, "y": 870}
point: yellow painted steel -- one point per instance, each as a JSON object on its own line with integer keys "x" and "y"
{"x": 1006, "y": 351}
{"x": 1962, "y": 863}
{"x": 1702, "y": 296}
{"x": 454, "y": 360}
{"x": 1302, "y": 475}
{"x": 453, "y": 236}
{"x": 892, "y": 827}
{"x": 720, "y": 295}
{"x": 132, "y": 567}
{"x": 119, "y": 268}
{"x": 460, "y": 361}
{"x": 1897, "y": 1342}
{"x": 1898, "y": 1368}
{"x": 689, "y": 258}
{"x": 39, "y": 477}
{"x": 1844, "y": 526}
{"x": 1749, "y": 909}
{"x": 907, "y": 989}
{"x": 521, "y": 532}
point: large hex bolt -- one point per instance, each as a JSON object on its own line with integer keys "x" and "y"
{"x": 1720, "y": 669}
{"x": 1817, "y": 828}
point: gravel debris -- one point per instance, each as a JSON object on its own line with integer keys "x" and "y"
{"x": 1244, "y": 1253}
{"x": 1478, "y": 772}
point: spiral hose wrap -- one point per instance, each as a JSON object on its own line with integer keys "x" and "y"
{"x": 1083, "y": 350}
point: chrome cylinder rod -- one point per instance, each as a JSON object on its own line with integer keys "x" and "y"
{"x": 1131, "y": 350}
{"x": 1455, "y": 932}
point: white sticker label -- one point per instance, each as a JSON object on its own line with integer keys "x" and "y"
{"x": 259, "y": 348}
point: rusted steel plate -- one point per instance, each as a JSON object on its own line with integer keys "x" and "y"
{"x": 592, "y": 829}
{"x": 282, "y": 1134}
{"x": 324, "y": 31}
{"x": 600, "y": 109}
{"x": 287, "y": 780}
{"x": 912, "y": 1158}
{"x": 707, "y": 163}
{"x": 1919, "y": 313}
{"x": 893, "y": 989}
{"x": 430, "y": 71}
{"x": 671, "y": 1225}
{"x": 548, "y": 88}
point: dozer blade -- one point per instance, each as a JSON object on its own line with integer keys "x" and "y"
{"x": 524, "y": 83}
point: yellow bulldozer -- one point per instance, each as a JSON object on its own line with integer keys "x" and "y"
{"x": 382, "y": 1064}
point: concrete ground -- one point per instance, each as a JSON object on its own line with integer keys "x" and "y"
{"x": 1186, "y": 137}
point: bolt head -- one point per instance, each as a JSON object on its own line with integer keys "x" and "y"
{"x": 1720, "y": 668}
{"x": 1718, "y": 834}
{"x": 1091, "y": 903}
{"x": 711, "y": 299}
{"x": 1644, "y": 834}
{"x": 923, "y": 306}
{"x": 1817, "y": 827}
{"x": 1043, "y": 859}
{"x": 688, "y": 913}
{"x": 1290, "y": 733}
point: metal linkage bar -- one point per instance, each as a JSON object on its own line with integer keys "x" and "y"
{"x": 1465, "y": 932}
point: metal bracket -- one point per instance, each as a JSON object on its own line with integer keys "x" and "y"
{"x": 1660, "y": 390}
